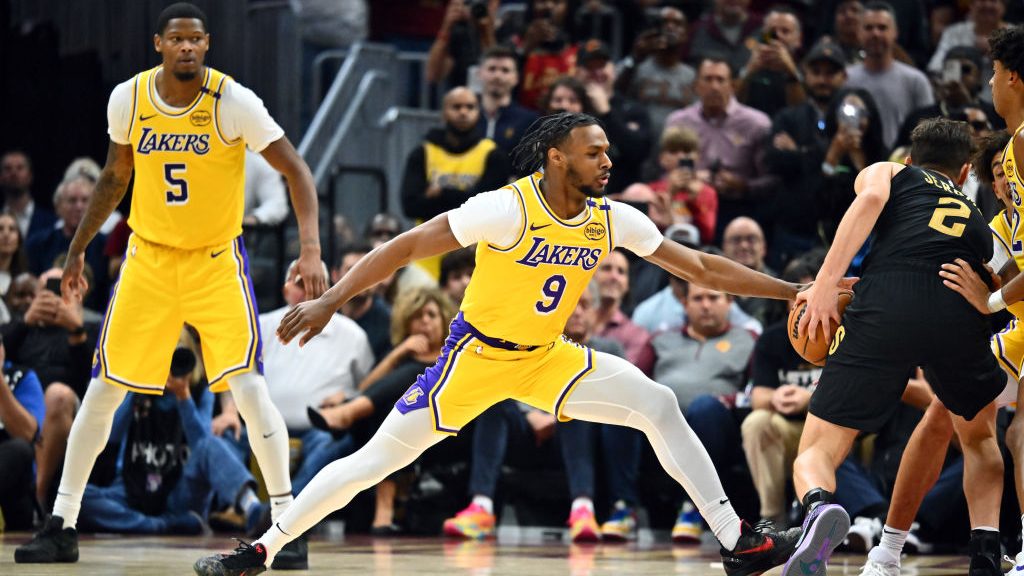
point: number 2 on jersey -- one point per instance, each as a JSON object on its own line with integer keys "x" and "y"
{"x": 181, "y": 195}
{"x": 950, "y": 208}
{"x": 553, "y": 289}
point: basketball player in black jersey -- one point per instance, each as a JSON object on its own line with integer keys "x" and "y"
{"x": 902, "y": 317}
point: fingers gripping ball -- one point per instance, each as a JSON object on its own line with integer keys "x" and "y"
{"x": 814, "y": 352}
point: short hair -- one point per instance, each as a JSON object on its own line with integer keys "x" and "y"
{"x": 456, "y": 260}
{"x": 59, "y": 192}
{"x": 352, "y": 248}
{"x": 499, "y": 51}
{"x": 577, "y": 88}
{"x": 545, "y": 133}
{"x": 411, "y": 301}
{"x": 941, "y": 143}
{"x": 1007, "y": 46}
{"x": 716, "y": 59}
{"x": 679, "y": 139}
{"x": 989, "y": 148}
{"x": 804, "y": 266}
{"x": 179, "y": 10}
{"x": 882, "y": 6}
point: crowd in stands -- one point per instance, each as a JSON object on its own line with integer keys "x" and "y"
{"x": 738, "y": 126}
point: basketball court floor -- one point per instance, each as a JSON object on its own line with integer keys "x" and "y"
{"x": 110, "y": 555}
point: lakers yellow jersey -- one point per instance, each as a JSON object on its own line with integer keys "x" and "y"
{"x": 1007, "y": 230}
{"x": 1013, "y": 177}
{"x": 525, "y": 292}
{"x": 189, "y": 180}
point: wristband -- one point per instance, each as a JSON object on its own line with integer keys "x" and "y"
{"x": 996, "y": 302}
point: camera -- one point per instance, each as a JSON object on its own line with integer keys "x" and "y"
{"x": 53, "y": 285}
{"x": 478, "y": 10}
{"x": 686, "y": 163}
{"x": 767, "y": 35}
{"x": 182, "y": 362}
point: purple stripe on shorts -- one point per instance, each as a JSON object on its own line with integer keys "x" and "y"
{"x": 418, "y": 395}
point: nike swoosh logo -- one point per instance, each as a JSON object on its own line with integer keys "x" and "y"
{"x": 269, "y": 435}
{"x": 889, "y": 531}
{"x": 144, "y": 118}
{"x": 723, "y": 501}
{"x": 534, "y": 227}
{"x": 215, "y": 254}
{"x": 765, "y": 546}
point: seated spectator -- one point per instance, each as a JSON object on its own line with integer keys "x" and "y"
{"x": 16, "y": 183}
{"x": 846, "y": 28}
{"x": 566, "y": 94}
{"x": 516, "y": 433}
{"x": 21, "y": 411}
{"x": 743, "y": 241}
{"x": 418, "y": 329}
{"x": 56, "y": 340}
{"x": 611, "y": 323}
{"x": 468, "y": 29}
{"x": 985, "y": 17}
{"x": 722, "y": 32}
{"x": 547, "y": 49}
{"x": 682, "y": 194}
{"x": 20, "y": 295}
{"x": 171, "y": 466}
{"x": 501, "y": 119}
{"x": 654, "y": 74}
{"x": 771, "y": 79}
{"x": 456, "y": 269}
{"x": 13, "y": 261}
{"x": 368, "y": 310}
{"x": 70, "y": 199}
{"x": 266, "y": 198}
{"x": 732, "y": 144}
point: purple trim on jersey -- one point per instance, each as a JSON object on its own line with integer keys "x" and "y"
{"x": 420, "y": 394}
{"x": 572, "y": 383}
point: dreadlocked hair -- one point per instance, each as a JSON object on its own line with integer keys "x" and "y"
{"x": 546, "y": 132}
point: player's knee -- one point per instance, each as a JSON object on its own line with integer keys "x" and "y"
{"x": 661, "y": 404}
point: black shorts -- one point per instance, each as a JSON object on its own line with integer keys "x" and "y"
{"x": 898, "y": 320}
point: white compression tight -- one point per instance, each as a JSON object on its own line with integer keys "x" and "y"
{"x": 268, "y": 436}
{"x": 89, "y": 434}
{"x": 616, "y": 392}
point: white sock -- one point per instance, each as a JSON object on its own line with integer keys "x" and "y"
{"x": 278, "y": 504}
{"x": 582, "y": 502}
{"x": 89, "y": 434}
{"x": 268, "y": 436}
{"x": 891, "y": 546}
{"x": 484, "y": 502}
{"x": 1022, "y": 526}
{"x": 986, "y": 529}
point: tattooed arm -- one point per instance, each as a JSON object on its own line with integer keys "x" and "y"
{"x": 108, "y": 194}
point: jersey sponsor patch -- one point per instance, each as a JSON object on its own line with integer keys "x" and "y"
{"x": 594, "y": 231}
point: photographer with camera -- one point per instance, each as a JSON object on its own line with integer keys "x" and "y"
{"x": 771, "y": 79}
{"x": 546, "y": 49}
{"x": 467, "y": 31}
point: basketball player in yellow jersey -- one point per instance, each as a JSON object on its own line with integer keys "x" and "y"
{"x": 538, "y": 241}
{"x": 183, "y": 128}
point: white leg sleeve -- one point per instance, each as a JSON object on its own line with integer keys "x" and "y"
{"x": 617, "y": 392}
{"x": 268, "y": 436}
{"x": 399, "y": 441}
{"x": 89, "y": 434}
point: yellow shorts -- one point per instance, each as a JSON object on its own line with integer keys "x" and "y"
{"x": 1008, "y": 346}
{"x": 471, "y": 375}
{"x": 160, "y": 289}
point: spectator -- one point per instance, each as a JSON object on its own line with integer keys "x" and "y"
{"x": 20, "y": 295}
{"x": 985, "y": 17}
{"x": 417, "y": 331}
{"x": 453, "y": 164}
{"x": 664, "y": 311}
{"x": 501, "y": 119}
{"x": 612, "y": 278}
{"x": 720, "y": 33}
{"x": 846, "y": 25}
{"x": 546, "y": 47}
{"x": 12, "y": 253}
{"x": 567, "y": 94}
{"x": 771, "y": 79}
{"x": 682, "y": 194}
{"x": 171, "y": 465}
{"x": 467, "y": 31}
{"x": 732, "y": 139}
{"x": 381, "y": 228}
{"x": 513, "y": 432}
{"x": 706, "y": 364}
{"x": 798, "y": 146}
{"x": 21, "y": 411}
{"x": 44, "y": 247}
{"x": 456, "y": 269}
{"x": 626, "y": 123}
{"x": 266, "y": 199}
{"x": 843, "y": 19}
{"x": 16, "y": 180}
{"x": 898, "y": 88}
{"x": 743, "y": 241}
{"x": 654, "y": 75}
{"x": 368, "y": 310}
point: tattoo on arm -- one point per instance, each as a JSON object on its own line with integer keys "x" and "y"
{"x": 109, "y": 191}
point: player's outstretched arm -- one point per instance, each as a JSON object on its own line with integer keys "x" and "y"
{"x": 285, "y": 159}
{"x": 872, "y": 188}
{"x": 109, "y": 191}
{"x": 428, "y": 239}
{"x": 719, "y": 273}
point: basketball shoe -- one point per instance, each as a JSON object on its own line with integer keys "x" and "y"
{"x": 986, "y": 553}
{"x": 54, "y": 543}
{"x": 583, "y": 526}
{"x": 759, "y": 548}
{"x": 472, "y": 522}
{"x": 873, "y": 568}
{"x": 621, "y": 526}
{"x": 246, "y": 560}
{"x": 1018, "y": 565}
{"x": 293, "y": 556}
{"x": 824, "y": 528}
{"x": 689, "y": 525}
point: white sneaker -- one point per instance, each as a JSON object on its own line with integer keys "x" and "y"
{"x": 1018, "y": 565}
{"x": 914, "y": 544}
{"x": 863, "y": 534}
{"x": 872, "y": 568}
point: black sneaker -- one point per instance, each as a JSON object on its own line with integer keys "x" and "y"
{"x": 986, "y": 553}
{"x": 825, "y": 528}
{"x": 246, "y": 560}
{"x": 759, "y": 548}
{"x": 54, "y": 543}
{"x": 294, "y": 556}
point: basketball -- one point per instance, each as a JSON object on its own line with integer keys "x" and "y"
{"x": 814, "y": 352}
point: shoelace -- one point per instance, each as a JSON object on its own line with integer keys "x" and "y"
{"x": 763, "y": 526}
{"x": 241, "y": 550}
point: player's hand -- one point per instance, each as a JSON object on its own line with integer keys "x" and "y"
{"x": 73, "y": 285}
{"x": 306, "y": 319}
{"x": 822, "y": 309}
{"x": 960, "y": 277}
{"x": 227, "y": 420}
{"x": 314, "y": 279}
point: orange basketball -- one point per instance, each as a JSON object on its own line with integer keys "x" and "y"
{"x": 814, "y": 352}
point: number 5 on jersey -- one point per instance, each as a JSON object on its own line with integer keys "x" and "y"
{"x": 174, "y": 176}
